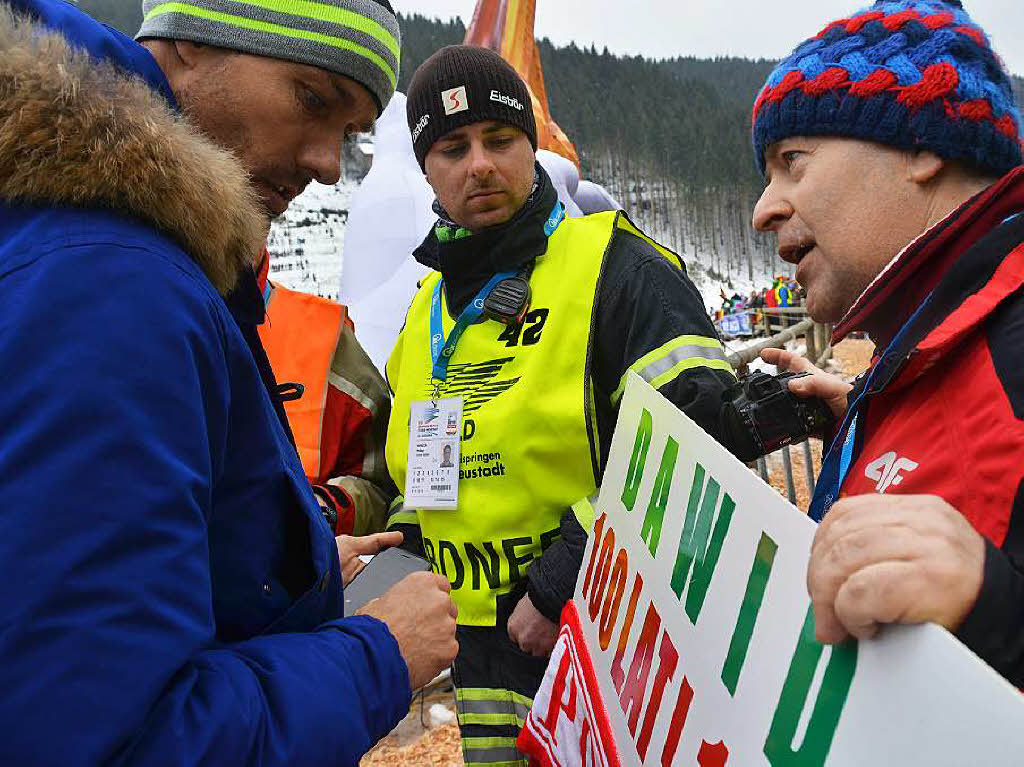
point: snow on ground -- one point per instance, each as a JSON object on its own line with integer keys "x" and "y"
{"x": 711, "y": 289}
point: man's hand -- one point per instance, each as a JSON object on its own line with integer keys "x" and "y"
{"x": 825, "y": 386}
{"x": 350, "y": 548}
{"x": 531, "y": 631}
{"x": 420, "y": 614}
{"x": 892, "y": 559}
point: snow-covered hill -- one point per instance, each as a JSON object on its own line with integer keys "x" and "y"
{"x": 307, "y": 242}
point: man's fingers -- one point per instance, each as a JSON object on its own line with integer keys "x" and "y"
{"x": 857, "y": 536}
{"x": 827, "y": 627}
{"x": 352, "y": 569}
{"x": 373, "y": 544}
{"x": 787, "y": 360}
{"x": 778, "y": 357}
{"x": 845, "y": 554}
{"x": 860, "y": 512}
{"x": 880, "y": 593}
{"x": 811, "y": 387}
{"x": 442, "y": 583}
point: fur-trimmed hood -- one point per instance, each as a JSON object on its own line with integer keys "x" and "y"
{"x": 78, "y": 132}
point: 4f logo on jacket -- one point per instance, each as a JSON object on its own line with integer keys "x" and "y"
{"x": 888, "y": 470}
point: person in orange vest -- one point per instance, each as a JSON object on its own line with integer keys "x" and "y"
{"x": 337, "y": 404}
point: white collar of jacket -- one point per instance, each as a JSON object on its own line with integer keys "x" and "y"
{"x": 80, "y": 133}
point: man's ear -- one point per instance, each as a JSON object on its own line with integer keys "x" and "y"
{"x": 924, "y": 166}
{"x": 191, "y": 54}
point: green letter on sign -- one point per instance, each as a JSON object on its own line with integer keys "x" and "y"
{"x": 650, "y": 531}
{"x": 636, "y": 463}
{"x": 827, "y": 708}
{"x": 753, "y": 596}
{"x": 698, "y": 545}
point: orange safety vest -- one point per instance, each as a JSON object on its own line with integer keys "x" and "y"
{"x": 300, "y": 336}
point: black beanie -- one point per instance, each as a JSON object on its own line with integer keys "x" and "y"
{"x": 461, "y": 85}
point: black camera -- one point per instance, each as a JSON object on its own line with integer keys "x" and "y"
{"x": 761, "y": 415}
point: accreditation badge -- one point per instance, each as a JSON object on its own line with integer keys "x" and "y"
{"x": 432, "y": 468}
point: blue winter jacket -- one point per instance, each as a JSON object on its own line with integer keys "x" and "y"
{"x": 169, "y": 591}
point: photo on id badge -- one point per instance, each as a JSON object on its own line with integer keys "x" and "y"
{"x": 432, "y": 477}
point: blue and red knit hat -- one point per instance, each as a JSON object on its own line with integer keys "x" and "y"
{"x": 913, "y": 75}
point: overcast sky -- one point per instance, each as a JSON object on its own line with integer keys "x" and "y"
{"x": 705, "y": 28}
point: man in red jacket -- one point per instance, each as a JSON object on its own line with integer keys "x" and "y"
{"x": 891, "y": 149}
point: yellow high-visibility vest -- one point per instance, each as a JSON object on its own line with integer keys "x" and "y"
{"x": 529, "y": 442}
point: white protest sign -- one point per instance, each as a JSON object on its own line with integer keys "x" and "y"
{"x": 693, "y": 614}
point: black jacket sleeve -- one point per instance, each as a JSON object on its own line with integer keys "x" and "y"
{"x": 994, "y": 629}
{"x": 552, "y": 578}
{"x": 644, "y": 302}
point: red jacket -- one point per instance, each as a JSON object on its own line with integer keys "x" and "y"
{"x": 945, "y": 411}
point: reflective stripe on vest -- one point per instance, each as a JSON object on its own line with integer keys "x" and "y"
{"x": 526, "y": 443}
{"x": 301, "y": 335}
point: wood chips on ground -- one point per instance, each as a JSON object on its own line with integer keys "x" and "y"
{"x": 414, "y": 744}
{"x": 777, "y": 474}
{"x": 852, "y": 356}
{"x": 439, "y": 747}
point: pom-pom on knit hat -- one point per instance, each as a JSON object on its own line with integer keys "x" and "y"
{"x": 464, "y": 84}
{"x": 356, "y": 38}
{"x": 913, "y": 75}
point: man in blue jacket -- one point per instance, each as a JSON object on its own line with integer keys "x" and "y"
{"x": 170, "y": 590}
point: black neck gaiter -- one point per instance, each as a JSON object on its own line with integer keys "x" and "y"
{"x": 466, "y": 263}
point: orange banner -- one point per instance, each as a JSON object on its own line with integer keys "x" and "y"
{"x": 506, "y": 26}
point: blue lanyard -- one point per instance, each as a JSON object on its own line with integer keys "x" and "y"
{"x": 556, "y": 217}
{"x": 837, "y": 461}
{"x": 441, "y": 351}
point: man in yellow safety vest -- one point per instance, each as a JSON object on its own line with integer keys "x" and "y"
{"x": 513, "y": 358}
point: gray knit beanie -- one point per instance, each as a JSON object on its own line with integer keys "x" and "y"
{"x": 356, "y": 38}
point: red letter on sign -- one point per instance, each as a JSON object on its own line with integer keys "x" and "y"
{"x": 618, "y": 675}
{"x": 557, "y": 691}
{"x": 667, "y": 660}
{"x": 712, "y": 755}
{"x": 586, "y": 743}
{"x": 598, "y": 528}
{"x": 612, "y": 599}
{"x": 604, "y": 562}
{"x": 633, "y": 693}
{"x": 675, "y": 727}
